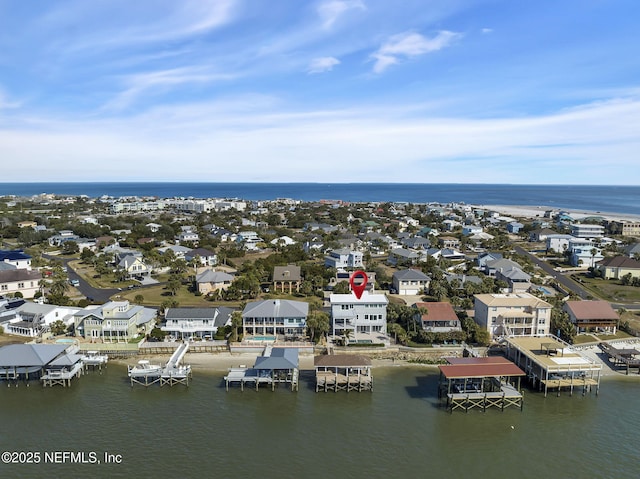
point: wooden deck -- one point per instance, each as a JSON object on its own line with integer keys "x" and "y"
{"x": 62, "y": 377}
{"x": 508, "y": 396}
{"x": 551, "y": 363}
{"x": 332, "y": 381}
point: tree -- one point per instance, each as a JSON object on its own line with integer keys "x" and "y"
{"x": 236, "y": 323}
{"x": 58, "y": 327}
{"x": 398, "y": 332}
{"x": 70, "y": 247}
{"x": 139, "y": 299}
{"x": 317, "y": 324}
{"x": 174, "y": 283}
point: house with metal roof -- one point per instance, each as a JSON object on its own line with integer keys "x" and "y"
{"x": 31, "y": 361}
{"x": 115, "y": 321}
{"x": 275, "y": 317}
{"x": 202, "y": 323}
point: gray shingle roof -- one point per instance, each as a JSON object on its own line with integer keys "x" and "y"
{"x": 411, "y": 274}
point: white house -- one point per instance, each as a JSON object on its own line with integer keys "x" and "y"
{"x": 364, "y": 318}
{"x": 344, "y": 258}
{"x": 203, "y": 323}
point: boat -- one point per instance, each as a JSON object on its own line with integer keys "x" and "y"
{"x": 93, "y": 358}
{"x": 145, "y": 368}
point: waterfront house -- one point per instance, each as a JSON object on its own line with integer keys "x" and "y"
{"x": 30, "y": 361}
{"x": 209, "y": 281}
{"x": 592, "y": 316}
{"x": 363, "y": 319}
{"x": 439, "y": 317}
{"x": 115, "y": 321}
{"x": 202, "y": 323}
{"x": 274, "y": 317}
{"x": 410, "y": 282}
{"x": 287, "y": 279}
{"x": 512, "y": 314}
{"x": 619, "y": 266}
{"x": 26, "y": 318}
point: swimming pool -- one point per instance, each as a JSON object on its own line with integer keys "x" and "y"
{"x": 65, "y": 341}
{"x": 545, "y": 291}
{"x": 263, "y": 338}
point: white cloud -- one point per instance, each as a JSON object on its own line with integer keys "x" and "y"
{"x": 487, "y": 30}
{"x": 273, "y": 144}
{"x": 331, "y": 10}
{"x": 323, "y": 64}
{"x": 138, "y": 84}
{"x": 410, "y": 45}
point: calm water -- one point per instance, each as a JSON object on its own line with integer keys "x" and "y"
{"x": 612, "y": 199}
{"x": 396, "y": 431}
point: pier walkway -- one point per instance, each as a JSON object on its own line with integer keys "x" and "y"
{"x": 146, "y": 374}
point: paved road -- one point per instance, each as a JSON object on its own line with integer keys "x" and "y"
{"x": 568, "y": 283}
{"x": 95, "y": 295}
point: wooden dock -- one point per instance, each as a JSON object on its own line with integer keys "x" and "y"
{"x": 62, "y": 377}
{"x": 343, "y": 372}
{"x": 172, "y": 373}
{"x": 551, "y": 363}
{"x": 275, "y": 366}
{"x": 468, "y": 383}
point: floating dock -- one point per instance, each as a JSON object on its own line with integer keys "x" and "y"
{"x": 343, "y": 372}
{"x": 550, "y": 363}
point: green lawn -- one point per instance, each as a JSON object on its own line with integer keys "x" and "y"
{"x": 609, "y": 290}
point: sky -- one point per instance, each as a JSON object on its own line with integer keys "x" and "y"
{"x": 421, "y": 91}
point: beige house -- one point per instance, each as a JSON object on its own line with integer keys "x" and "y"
{"x": 21, "y": 281}
{"x": 512, "y": 314}
{"x": 209, "y": 281}
{"x": 619, "y": 266}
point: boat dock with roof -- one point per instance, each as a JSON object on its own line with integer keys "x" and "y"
{"x": 53, "y": 364}
{"x": 627, "y": 357}
{"x": 276, "y": 365}
{"x": 145, "y": 373}
{"x": 550, "y": 363}
{"x": 343, "y": 372}
{"x": 468, "y": 383}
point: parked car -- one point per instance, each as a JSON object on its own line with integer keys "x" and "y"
{"x": 74, "y": 282}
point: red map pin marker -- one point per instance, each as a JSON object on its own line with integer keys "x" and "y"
{"x": 358, "y": 288}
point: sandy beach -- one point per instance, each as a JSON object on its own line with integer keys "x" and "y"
{"x": 521, "y": 211}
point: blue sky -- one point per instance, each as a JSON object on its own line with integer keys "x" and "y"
{"x": 428, "y": 91}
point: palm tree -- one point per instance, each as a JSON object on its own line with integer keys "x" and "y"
{"x": 236, "y": 322}
{"x": 346, "y": 335}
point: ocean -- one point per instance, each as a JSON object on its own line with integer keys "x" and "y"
{"x": 605, "y": 199}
